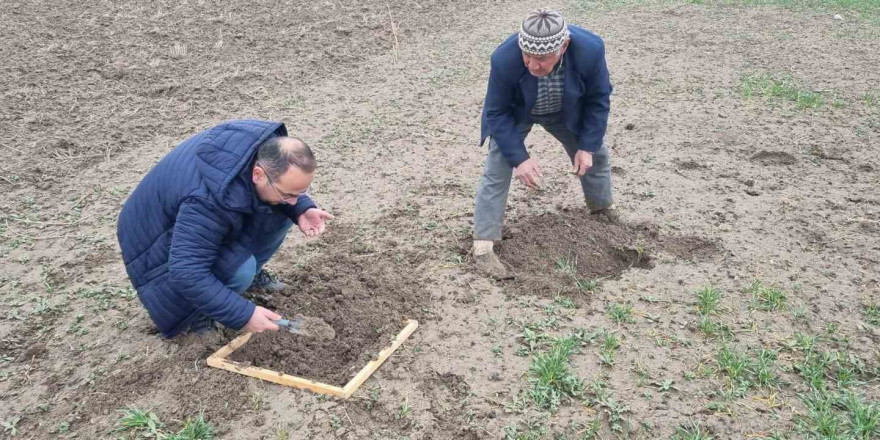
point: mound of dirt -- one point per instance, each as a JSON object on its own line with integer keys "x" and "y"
{"x": 315, "y": 328}
{"x": 365, "y": 299}
{"x": 555, "y": 252}
{"x": 774, "y": 158}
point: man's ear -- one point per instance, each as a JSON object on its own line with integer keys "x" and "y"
{"x": 257, "y": 175}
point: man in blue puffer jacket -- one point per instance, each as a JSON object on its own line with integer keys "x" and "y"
{"x": 199, "y": 227}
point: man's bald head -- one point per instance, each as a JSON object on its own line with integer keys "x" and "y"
{"x": 277, "y": 154}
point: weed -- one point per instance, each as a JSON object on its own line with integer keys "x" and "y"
{"x": 784, "y": 87}
{"x": 140, "y": 420}
{"x": 691, "y": 431}
{"x": 870, "y": 99}
{"x": 621, "y": 313}
{"x": 872, "y": 313}
{"x": 147, "y": 424}
{"x": 767, "y": 298}
{"x": 608, "y": 348}
{"x": 666, "y": 385}
{"x": 735, "y": 365}
{"x": 804, "y": 343}
{"x": 404, "y": 410}
{"x": 764, "y": 374}
{"x": 614, "y": 410}
{"x": 550, "y": 376}
{"x": 585, "y": 285}
{"x": 586, "y": 431}
{"x": 799, "y": 312}
{"x": 813, "y": 369}
{"x": 821, "y": 421}
{"x": 11, "y": 426}
{"x": 567, "y": 265}
{"x": 194, "y": 429}
{"x": 832, "y": 328}
{"x": 497, "y": 350}
{"x": 531, "y": 339}
{"x": 335, "y": 422}
{"x": 715, "y": 329}
{"x": 707, "y": 300}
{"x": 564, "y": 302}
{"x": 864, "y": 419}
{"x": 375, "y": 394}
{"x": 534, "y": 429}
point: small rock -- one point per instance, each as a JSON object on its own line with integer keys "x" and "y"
{"x": 838, "y": 17}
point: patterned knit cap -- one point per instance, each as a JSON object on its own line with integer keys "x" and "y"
{"x": 542, "y": 32}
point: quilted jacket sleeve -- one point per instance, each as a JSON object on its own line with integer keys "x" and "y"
{"x": 198, "y": 235}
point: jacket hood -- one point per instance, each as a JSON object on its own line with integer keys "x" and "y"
{"x": 224, "y": 157}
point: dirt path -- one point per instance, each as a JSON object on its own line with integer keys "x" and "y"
{"x": 392, "y": 111}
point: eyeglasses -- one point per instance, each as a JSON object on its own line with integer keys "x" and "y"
{"x": 290, "y": 199}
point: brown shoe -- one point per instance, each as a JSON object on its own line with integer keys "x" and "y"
{"x": 607, "y": 215}
{"x": 488, "y": 264}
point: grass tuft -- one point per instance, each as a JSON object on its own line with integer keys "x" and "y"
{"x": 621, "y": 313}
{"x": 691, "y": 431}
{"x": 767, "y": 298}
{"x": 784, "y": 88}
{"x": 551, "y": 380}
{"x": 707, "y": 300}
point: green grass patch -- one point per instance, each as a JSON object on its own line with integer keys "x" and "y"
{"x": 871, "y": 312}
{"x": 621, "y": 313}
{"x": 691, "y": 431}
{"x": 146, "y": 424}
{"x": 765, "y": 375}
{"x": 713, "y": 329}
{"x": 707, "y": 300}
{"x": 552, "y": 382}
{"x": 767, "y": 298}
{"x": 608, "y": 346}
{"x": 838, "y": 416}
{"x": 783, "y": 88}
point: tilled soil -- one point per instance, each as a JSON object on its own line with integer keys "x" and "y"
{"x": 389, "y": 94}
{"x": 364, "y": 298}
{"x": 552, "y": 252}
{"x": 315, "y": 328}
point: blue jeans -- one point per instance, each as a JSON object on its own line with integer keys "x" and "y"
{"x": 267, "y": 245}
{"x": 492, "y": 191}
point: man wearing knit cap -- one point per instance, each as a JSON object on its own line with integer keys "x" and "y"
{"x": 552, "y": 74}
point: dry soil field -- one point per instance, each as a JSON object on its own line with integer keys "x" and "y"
{"x": 739, "y": 300}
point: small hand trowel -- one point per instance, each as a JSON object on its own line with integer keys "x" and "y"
{"x": 309, "y": 327}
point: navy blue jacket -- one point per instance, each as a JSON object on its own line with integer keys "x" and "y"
{"x": 512, "y": 92}
{"x": 190, "y": 224}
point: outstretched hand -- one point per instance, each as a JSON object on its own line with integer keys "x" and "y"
{"x": 311, "y": 222}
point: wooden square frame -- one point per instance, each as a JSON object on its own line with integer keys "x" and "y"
{"x": 219, "y": 360}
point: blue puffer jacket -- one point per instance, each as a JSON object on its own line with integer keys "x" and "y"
{"x": 190, "y": 224}
{"x": 512, "y": 92}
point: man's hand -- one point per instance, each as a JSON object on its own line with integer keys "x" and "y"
{"x": 583, "y": 161}
{"x": 261, "y": 321}
{"x": 311, "y": 222}
{"x": 529, "y": 173}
